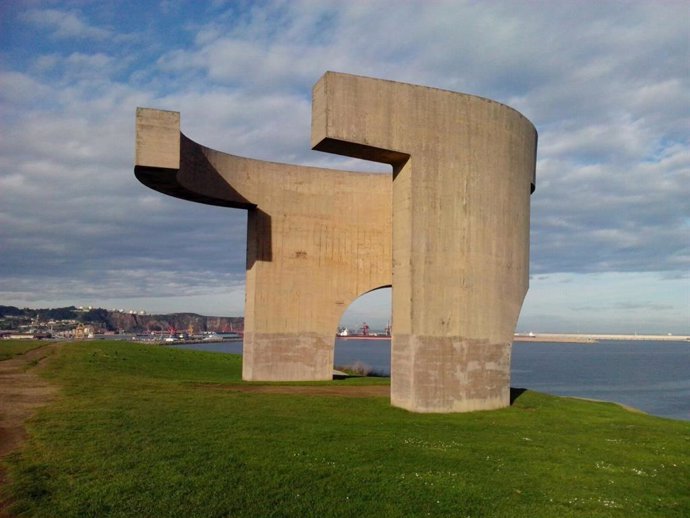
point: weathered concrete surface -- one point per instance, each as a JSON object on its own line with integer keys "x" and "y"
{"x": 463, "y": 173}
{"x": 316, "y": 240}
{"x": 450, "y": 232}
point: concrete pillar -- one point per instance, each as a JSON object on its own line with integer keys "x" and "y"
{"x": 464, "y": 172}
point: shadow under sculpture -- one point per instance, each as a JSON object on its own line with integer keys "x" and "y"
{"x": 449, "y": 231}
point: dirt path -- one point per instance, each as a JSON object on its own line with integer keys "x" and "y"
{"x": 22, "y": 392}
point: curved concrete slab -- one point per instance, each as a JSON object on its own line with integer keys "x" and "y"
{"x": 464, "y": 169}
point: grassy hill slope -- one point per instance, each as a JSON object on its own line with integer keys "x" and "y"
{"x": 145, "y": 431}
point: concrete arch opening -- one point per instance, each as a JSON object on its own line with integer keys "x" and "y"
{"x": 363, "y": 339}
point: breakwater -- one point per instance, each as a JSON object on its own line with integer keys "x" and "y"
{"x": 593, "y": 338}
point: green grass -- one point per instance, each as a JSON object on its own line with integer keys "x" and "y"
{"x": 11, "y": 348}
{"x": 144, "y": 431}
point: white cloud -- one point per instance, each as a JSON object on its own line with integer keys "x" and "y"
{"x": 65, "y": 24}
{"x": 20, "y": 88}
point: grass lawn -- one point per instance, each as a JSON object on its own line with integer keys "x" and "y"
{"x": 10, "y": 348}
{"x": 144, "y": 431}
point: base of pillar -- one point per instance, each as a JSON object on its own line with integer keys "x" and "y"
{"x": 287, "y": 357}
{"x": 449, "y": 374}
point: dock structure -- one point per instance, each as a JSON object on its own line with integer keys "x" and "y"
{"x": 448, "y": 229}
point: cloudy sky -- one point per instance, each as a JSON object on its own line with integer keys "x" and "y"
{"x": 607, "y": 84}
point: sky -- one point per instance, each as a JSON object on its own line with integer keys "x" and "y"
{"x": 607, "y": 85}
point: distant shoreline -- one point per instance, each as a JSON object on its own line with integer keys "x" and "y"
{"x": 593, "y": 338}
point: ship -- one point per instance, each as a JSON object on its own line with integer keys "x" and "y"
{"x": 364, "y": 333}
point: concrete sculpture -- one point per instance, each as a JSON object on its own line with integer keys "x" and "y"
{"x": 449, "y": 230}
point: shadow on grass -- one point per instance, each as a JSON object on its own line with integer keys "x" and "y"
{"x": 347, "y": 372}
{"x": 515, "y": 393}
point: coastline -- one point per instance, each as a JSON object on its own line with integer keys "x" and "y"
{"x": 594, "y": 338}
{"x": 558, "y": 337}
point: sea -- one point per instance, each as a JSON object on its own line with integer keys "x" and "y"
{"x": 650, "y": 376}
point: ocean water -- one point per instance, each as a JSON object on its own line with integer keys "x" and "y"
{"x": 651, "y": 376}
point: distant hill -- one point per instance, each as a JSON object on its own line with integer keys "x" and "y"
{"x": 122, "y": 321}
